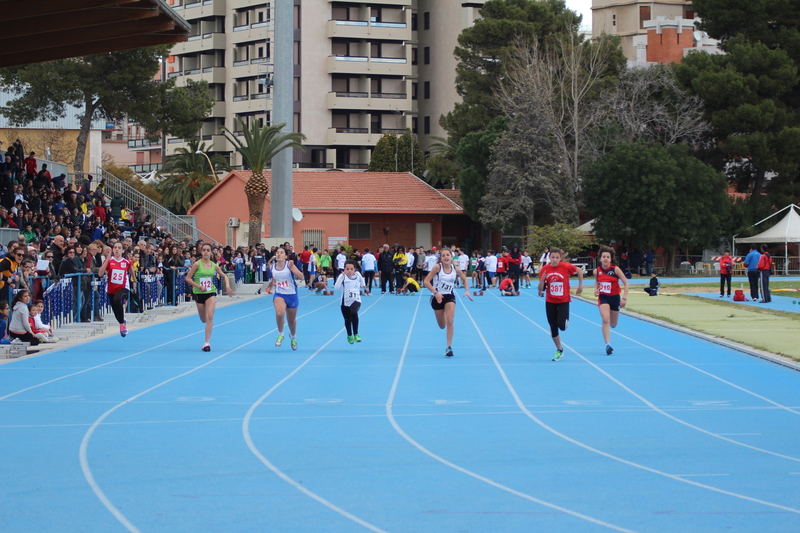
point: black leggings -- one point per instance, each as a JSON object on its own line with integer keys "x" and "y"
{"x": 369, "y": 275}
{"x": 25, "y": 337}
{"x": 350, "y": 315}
{"x": 118, "y": 302}
{"x": 722, "y": 279}
{"x": 557, "y": 317}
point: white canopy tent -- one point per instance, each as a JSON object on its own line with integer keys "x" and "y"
{"x": 785, "y": 231}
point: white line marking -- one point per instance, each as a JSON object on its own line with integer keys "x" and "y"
{"x": 249, "y": 441}
{"x": 126, "y": 357}
{"x": 655, "y": 408}
{"x": 87, "y": 472}
{"x": 595, "y": 450}
{"x": 396, "y": 426}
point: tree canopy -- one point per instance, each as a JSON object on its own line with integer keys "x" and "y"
{"x": 107, "y": 86}
{"x": 188, "y": 176}
{"x": 397, "y": 153}
{"x": 656, "y": 195}
{"x": 474, "y": 154}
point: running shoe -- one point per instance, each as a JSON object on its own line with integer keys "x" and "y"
{"x": 279, "y": 341}
{"x": 351, "y": 339}
{"x": 609, "y": 349}
{"x": 123, "y": 328}
{"x": 449, "y": 352}
{"x": 559, "y": 354}
{"x": 358, "y": 337}
{"x": 206, "y": 348}
{"x": 294, "y": 344}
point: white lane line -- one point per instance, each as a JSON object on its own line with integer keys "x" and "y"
{"x": 396, "y": 426}
{"x": 654, "y": 407}
{"x": 126, "y": 357}
{"x": 87, "y": 472}
{"x": 249, "y": 441}
{"x": 709, "y": 374}
{"x": 557, "y": 433}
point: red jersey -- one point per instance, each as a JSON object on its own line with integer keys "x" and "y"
{"x": 507, "y": 285}
{"x": 501, "y": 263}
{"x": 305, "y": 256}
{"x": 725, "y": 265}
{"x": 557, "y": 281}
{"x": 607, "y": 280}
{"x": 118, "y": 275}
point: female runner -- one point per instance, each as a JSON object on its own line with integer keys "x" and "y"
{"x": 201, "y": 278}
{"x": 443, "y": 301}
{"x": 607, "y": 291}
{"x": 350, "y": 283}
{"x": 120, "y": 277}
{"x": 285, "y": 300}
{"x": 554, "y": 278}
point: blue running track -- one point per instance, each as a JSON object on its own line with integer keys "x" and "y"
{"x": 150, "y": 434}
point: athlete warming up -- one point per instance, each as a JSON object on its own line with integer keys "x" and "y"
{"x": 441, "y": 281}
{"x": 607, "y": 291}
{"x": 285, "y": 300}
{"x": 201, "y": 278}
{"x": 350, "y": 283}
{"x": 554, "y": 278}
{"x": 120, "y": 274}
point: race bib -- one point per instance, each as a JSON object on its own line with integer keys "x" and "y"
{"x": 556, "y": 288}
{"x": 206, "y": 284}
{"x": 446, "y": 288}
{"x": 605, "y": 287}
{"x": 283, "y": 284}
{"x": 117, "y": 276}
{"x": 352, "y": 295}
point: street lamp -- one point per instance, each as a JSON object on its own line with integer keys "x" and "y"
{"x": 213, "y": 173}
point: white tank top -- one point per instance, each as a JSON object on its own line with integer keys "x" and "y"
{"x": 284, "y": 280}
{"x": 350, "y": 287}
{"x": 446, "y": 283}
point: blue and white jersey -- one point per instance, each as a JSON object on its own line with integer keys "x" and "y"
{"x": 368, "y": 263}
{"x": 350, "y": 287}
{"x": 445, "y": 283}
{"x": 284, "y": 280}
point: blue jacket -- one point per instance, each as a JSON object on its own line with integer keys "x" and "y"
{"x": 751, "y": 260}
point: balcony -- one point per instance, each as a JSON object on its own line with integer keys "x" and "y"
{"x": 247, "y": 68}
{"x": 200, "y": 43}
{"x": 144, "y": 169}
{"x": 252, "y": 103}
{"x": 406, "y": 3}
{"x": 352, "y": 137}
{"x": 258, "y": 31}
{"x": 361, "y": 29}
{"x": 209, "y": 74}
{"x": 369, "y": 102}
{"x": 143, "y": 144}
{"x": 389, "y": 66}
{"x": 206, "y": 8}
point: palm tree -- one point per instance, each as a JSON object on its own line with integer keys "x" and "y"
{"x": 190, "y": 176}
{"x": 261, "y": 144}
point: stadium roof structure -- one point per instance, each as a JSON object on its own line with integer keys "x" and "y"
{"x": 45, "y": 30}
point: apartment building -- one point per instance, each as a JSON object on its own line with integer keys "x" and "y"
{"x": 362, "y": 69}
{"x": 626, "y": 18}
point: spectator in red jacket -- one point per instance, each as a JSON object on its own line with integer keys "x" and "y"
{"x": 99, "y": 210}
{"x": 725, "y": 272}
{"x": 30, "y": 166}
{"x": 765, "y": 270}
{"x": 305, "y": 261}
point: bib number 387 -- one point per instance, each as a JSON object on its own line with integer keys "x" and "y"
{"x": 556, "y": 288}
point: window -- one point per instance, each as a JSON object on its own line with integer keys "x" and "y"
{"x": 613, "y": 20}
{"x": 644, "y": 14}
{"x": 360, "y": 231}
{"x": 427, "y": 89}
{"x": 426, "y": 20}
{"x": 414, "y": 89}
{"x": 413, "y": 22}
{"x": 414, "y": 125}
{"x": 413, "y": 56}
{"x": 426, "y": 125}
{"x": 426, "y": 55}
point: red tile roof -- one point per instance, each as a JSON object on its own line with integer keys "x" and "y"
{"x": 360, "y": 192}
{"x": 453, "y": 194}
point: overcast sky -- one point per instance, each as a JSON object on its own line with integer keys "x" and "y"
{"x": 584, "y": 8}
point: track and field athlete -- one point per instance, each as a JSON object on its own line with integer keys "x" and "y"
{"x": 350, "y": 283}
{"x": 441, "y": 281}
{"x": 554, "y": 279}
{"x": 607, "y": 291}
{"x": 120, "y": 278}
{"x": 285, "y": 300}
{"x": 370, "y": 264}
{"x": 201, "y": 278}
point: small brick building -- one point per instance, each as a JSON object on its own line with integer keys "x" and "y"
{"x": 363, "y": 209}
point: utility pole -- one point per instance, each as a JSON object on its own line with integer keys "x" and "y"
{"x": 280, "y": 218}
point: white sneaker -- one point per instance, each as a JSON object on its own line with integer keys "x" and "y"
{"x": 52, "y": 339}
